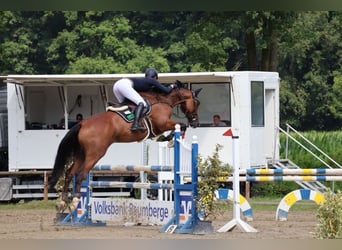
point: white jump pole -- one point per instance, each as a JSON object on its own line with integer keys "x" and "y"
{"x": 236, "y": 221}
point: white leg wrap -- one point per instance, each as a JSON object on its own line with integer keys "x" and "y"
{"x": 74, "y": 204}
{"x": 60, "y": 206}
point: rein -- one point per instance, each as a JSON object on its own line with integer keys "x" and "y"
{"x": 165, "y": 100}
{"x": 171, "y": 104}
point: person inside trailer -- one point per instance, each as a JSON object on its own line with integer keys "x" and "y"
{"x": 217, "y": 121}
{"x": 79, "y": 117}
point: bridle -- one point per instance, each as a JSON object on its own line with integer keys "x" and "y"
{"x": 191, "y": 116}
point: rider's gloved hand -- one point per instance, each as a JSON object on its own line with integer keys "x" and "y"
{"x": 177, "y": 84}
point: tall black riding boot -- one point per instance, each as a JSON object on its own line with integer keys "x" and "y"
{"x": 137, "y": 115}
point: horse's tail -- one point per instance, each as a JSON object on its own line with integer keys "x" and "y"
{"x": 68, "y": 146}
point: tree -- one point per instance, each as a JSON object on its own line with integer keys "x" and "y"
{"x": 292, "y": 103}
{"x": 310, "y": 53}
{"x": 304, "y": 47}
{"x": 208, "y": 44}
{"x": 194, "y": 41}
{"x": 16, "y": 43}
{"x": 262, "y": 33}
{"x": 101, "y": 42}
{"x": 336, "y": 107}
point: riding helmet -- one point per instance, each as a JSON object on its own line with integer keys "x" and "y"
{"x": 151, "y": 73}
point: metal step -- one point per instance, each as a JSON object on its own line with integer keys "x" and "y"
{"x": 314, "y": 185}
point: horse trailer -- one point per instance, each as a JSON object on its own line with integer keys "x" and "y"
{"x": 42, "y": 108}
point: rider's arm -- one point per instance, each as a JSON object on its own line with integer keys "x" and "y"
{"x": 146, "y": 84}
{"x": 156, "y": 84}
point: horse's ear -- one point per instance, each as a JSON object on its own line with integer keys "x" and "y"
{"x": 196, "y": 91}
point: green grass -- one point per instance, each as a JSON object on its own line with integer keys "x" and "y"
{"x": 271, "y": 204}
{"x": 35, "y": 204}
{"x": 257, "y": 204}
{"x": 329, "y": 142}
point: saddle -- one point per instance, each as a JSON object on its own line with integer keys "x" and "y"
{"x": 126, "y": 110}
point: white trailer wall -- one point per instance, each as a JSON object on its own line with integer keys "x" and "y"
{"x": 36, "y": 149}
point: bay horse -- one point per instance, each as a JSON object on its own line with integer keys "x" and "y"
{"x": 86, "y": 142}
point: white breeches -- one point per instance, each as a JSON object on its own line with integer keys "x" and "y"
{"x": 123, "y": 88}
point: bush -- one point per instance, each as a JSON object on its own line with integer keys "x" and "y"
{"x": 209, "y": 170}
{"x": 329, "y": 216}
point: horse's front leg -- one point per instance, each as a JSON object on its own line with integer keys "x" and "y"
{"x": 183, "y": 128}
{"x": 169, "y": 137}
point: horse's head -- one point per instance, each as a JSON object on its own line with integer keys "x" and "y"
{"x": 188, "y": 103}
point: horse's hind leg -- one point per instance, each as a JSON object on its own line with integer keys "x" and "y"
{"x": 68, "y": 177}
{"x": 87, "y": 165}
{"x": 75, "y": 170}
{"x": 64, "y": 184}
{"x": 77, "y": 192}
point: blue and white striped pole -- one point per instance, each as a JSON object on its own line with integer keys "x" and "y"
{"x": 176, "y": 173}
{"x": 194, "y": 180}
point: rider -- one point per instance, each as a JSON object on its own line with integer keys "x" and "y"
{"x": 129, "y": 88}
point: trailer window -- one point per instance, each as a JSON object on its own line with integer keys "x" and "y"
{"x": 215, "y": 99}
{"x": 257, "y": 102}
{"x": 44, "y": 108}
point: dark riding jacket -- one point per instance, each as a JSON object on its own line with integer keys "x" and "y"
{"x": 146, "y": 84}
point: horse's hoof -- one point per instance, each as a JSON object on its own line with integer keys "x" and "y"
{"x": 171, "y": 144}
{"x": 74, "y": 204}
{"x": 60, "y": 206}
